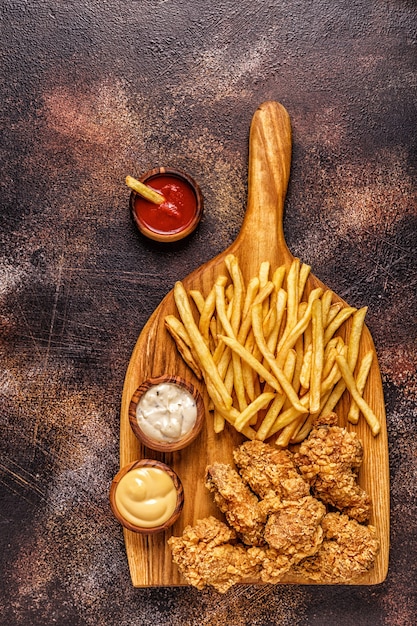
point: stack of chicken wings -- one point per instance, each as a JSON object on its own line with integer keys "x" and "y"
{"x": 302, "y": 512}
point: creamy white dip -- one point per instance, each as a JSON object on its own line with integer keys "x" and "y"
{"x": 166, "y": 412}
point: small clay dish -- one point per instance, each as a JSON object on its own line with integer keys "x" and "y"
{"x": 175, "y": 218}
{"x": 192, "y": 404}
{"x": 147, "y": 496}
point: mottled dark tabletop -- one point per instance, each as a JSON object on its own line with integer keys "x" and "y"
{"x": 93, "y": 90}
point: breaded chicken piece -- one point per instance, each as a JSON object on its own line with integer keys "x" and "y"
{"x": 270, "y": 472}
{"x": 205, "y": 556}
{"x": 274, "y": 565}
{"x": 237, "y": 502}
{"x": 348, "y": 550}
{"x": 329, "y": 459}
{"x": 294, "y": 528}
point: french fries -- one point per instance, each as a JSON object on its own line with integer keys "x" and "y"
{"x": 272, "y": 356}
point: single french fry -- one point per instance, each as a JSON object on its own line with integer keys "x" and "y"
{"x": 218, "y": 421}
{"x": 278, "y": 277}
{"x": 143, "y": 190}
{"x": 326, "y": 302}
{"x": 238, "y": 291}
{"x": 362, "y": 377}
{"x": 250, "y": 376}
{"x": 251, "y": 292}
{"x": 270, "y": 319}
{"x": 299, "y": 353}
{"x": 298, "y": 329}
{"x": 264, "y": 270}
{"x": 329, "y": 361}
{"x": 337, "y": 322}
{"x": 306, "y": 367}
{"x": 206, "y": 314}
{"x": 317, "y": 356}
{"x": 281, "y": 302}
{"x": 247, "y": 321}
{"x": 302, "y": 279}
{"x": 278, "y": 402}
{"x": 229, "y": 378}
{"x": 197, "y": 298}
{"x": 366, "y": 410}
{"x": 358, "y": 320}
{"x": 328, "y": 383}
{"x": 252, "y": 409}
{"x": 333, "y": 311}
{"x": 208, "y": 323}
{"x": 229, "y": 293}
{"x": 221, "y": 308}
{"x": 292, "y": 298}
{"x": 224, "y": 361}
{"x": 183, "y": 343}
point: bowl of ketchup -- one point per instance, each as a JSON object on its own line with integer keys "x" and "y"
{"x": 180, "y": 212}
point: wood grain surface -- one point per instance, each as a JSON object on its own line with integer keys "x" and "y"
{"x": 261, "y": 238}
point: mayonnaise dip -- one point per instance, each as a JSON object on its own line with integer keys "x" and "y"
{"x": 146, "y": 497}
{"x": 166, "y": 412}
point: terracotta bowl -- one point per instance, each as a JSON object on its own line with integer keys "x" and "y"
{"x": 178, "y": 486}
{"x": 187, "y": 438}
{"x": 171, "y": 235}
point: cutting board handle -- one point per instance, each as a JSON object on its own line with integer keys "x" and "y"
{"x": 268, "y": 175}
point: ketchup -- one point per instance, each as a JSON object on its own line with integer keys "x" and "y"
{"x": 173, "y": 215}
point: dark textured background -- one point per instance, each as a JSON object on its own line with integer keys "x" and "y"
{"x": 93, "y": 90}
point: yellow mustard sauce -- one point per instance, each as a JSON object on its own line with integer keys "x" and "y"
{"x": 146, "y": 497}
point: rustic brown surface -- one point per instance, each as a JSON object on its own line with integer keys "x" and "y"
{"x": 92, "y": 91}
{"x": 261, "y": 238}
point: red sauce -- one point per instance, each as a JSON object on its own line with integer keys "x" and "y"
{"x": 173, "y": 215}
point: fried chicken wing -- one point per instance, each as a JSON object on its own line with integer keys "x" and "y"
{"x": 237, "y": 502}
{"x": 270, "y": 472}
{"x": 329, "y": 459}
{"x": 348, "y": 550}
{"x": 294, "y": 528}
{"x": 206, "y": 554}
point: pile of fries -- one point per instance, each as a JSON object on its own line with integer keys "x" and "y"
{"x": 272, "y": 357}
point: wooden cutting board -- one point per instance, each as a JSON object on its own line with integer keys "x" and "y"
{"x": 261, "y": 239}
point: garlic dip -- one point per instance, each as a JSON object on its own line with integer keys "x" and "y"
{"x": 166, "y": 412}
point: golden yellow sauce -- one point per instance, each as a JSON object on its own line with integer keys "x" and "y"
{"x": 146, "y": 497}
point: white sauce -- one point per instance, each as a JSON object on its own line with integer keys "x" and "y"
{"x": 166, "y": 412}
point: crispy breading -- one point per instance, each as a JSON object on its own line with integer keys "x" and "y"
{"x": 237, "y": 502}
{"x": 330, "y": 459}
{"x": 274, "y": 565}
{"x": 294, "y": 527}
{"x": 207, "y": 555}
{"x": 348, "y": 550}
{"x": 270, "y": 472}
